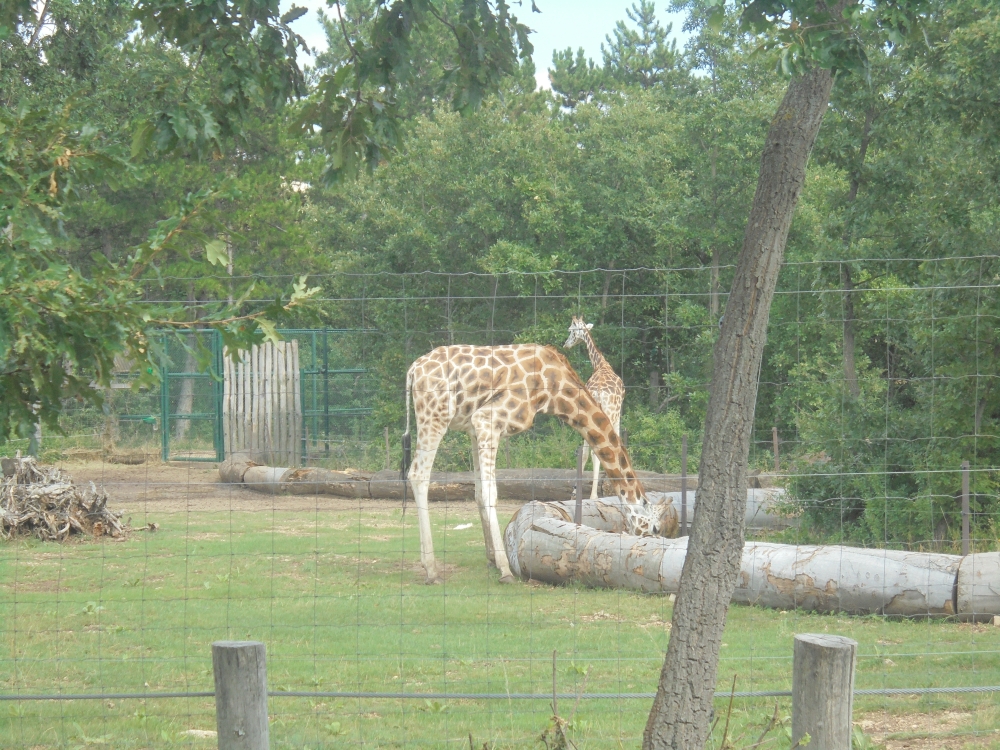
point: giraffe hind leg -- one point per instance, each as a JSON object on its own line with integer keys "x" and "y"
{"x": 428, "y": 441}
{"x": 488, "y": 430}
{"x": 484, "y": 518}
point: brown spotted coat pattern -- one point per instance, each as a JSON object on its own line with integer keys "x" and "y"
{"x": 489, "y": 392}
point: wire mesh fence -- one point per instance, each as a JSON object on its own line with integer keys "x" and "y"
{"x": 872, "y": 395}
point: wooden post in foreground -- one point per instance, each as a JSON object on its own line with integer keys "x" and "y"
{"x": 578, "y": 511}
{"x": 240, "y": 695}
{"x": 965, "y": 507}
{"x": 823, "y": 690}
{"x": 774, "y": 443}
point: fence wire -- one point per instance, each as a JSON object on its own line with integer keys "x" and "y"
{"x": 102, "y": 638}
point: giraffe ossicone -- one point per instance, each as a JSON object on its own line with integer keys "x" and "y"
{"x": 489, "y": 392}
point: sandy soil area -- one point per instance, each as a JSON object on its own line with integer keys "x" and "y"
{"x": 927, "y": 731}
{"x": 188, "y": 487}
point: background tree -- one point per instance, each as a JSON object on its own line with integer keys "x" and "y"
{"x": 210, "y": 74}
{"x": 643, "y": 56}
{"x": 682, "y": 708}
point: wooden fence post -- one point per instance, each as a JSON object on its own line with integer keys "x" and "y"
{"x": 240, "y": 694}
{"x": 775, "y": 443}
{"x": 823, "y": 690}
{"x": 965, "y": 507}
{"x": 684, "y": 485}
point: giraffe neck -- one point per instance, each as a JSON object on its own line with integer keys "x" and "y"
{"x": 596, "y": 358}
{"x": 597, "y": 430}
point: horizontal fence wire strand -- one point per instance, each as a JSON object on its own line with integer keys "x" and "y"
{"x": 486, "y": 696}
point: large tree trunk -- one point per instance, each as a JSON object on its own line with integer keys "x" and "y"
{"x": 682, "y": 708}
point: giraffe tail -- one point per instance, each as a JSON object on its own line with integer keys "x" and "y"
{"x": 409, "y": 389}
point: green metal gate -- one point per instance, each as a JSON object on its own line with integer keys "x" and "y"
{"x": 208, "y": 397}
{"x": 330, "y": 393}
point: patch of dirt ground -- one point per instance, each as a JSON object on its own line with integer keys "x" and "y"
{"x": 188, "y": 487}
{"x": 944, "y": 730}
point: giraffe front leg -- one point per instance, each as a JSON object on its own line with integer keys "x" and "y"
{"x": 484, "y": 518}
{"x": 488, "y": 439}
{"x": 597, "y": 471}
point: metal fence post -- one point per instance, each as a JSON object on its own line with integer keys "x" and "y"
{"x": 326, "y": 390}
{"x": 240, "y": 694}
{"x": 219, "y": 392}
{"x": 965, "y": 507}
{"x": 165, "y": 402}
{"x": 823, "y": 690}
{"x": 578, "y": 512}
{"x": 304, "y": 441}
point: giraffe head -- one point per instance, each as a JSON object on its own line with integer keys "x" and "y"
{"x": 642, "y": 518}
{"x": 578, "y": 331}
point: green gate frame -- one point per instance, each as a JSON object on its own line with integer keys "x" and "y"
{"x": 320, "y": 366}
{"x": 166, "y": 418}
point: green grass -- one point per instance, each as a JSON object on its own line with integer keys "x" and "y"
{"x": 337, "y": 597}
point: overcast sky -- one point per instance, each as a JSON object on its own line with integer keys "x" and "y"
{"x": 561, "y": 24}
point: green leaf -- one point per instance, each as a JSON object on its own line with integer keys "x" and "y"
{"x": 142, "y": 138}
{"x": 269, "y": 329}
{"x": 216, "y": 252}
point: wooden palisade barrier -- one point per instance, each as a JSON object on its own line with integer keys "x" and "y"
{"x": 262, "y": 404}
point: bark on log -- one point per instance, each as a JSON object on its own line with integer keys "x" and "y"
{"x": 760, "y": 507}
{"x": 542, "y": 543}
{"x": 977, "y": 588}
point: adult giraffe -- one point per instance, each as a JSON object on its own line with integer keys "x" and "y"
{"x": 604, "y": 385}
{"x": 492, "y": 391}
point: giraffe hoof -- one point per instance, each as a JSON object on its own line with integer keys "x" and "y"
{"x": 433, "y": 581}
{"x": 507, "y": 579}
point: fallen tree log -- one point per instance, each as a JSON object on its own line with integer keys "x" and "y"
{"x": 518, "y": 485}
{"x": 543, "y": 544}
{"x": 524, "y": 485}
{"x": 977, "y": 587}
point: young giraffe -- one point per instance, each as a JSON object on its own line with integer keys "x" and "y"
{"x": 492, "y": 391}
{"x": 604, "y": 385}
